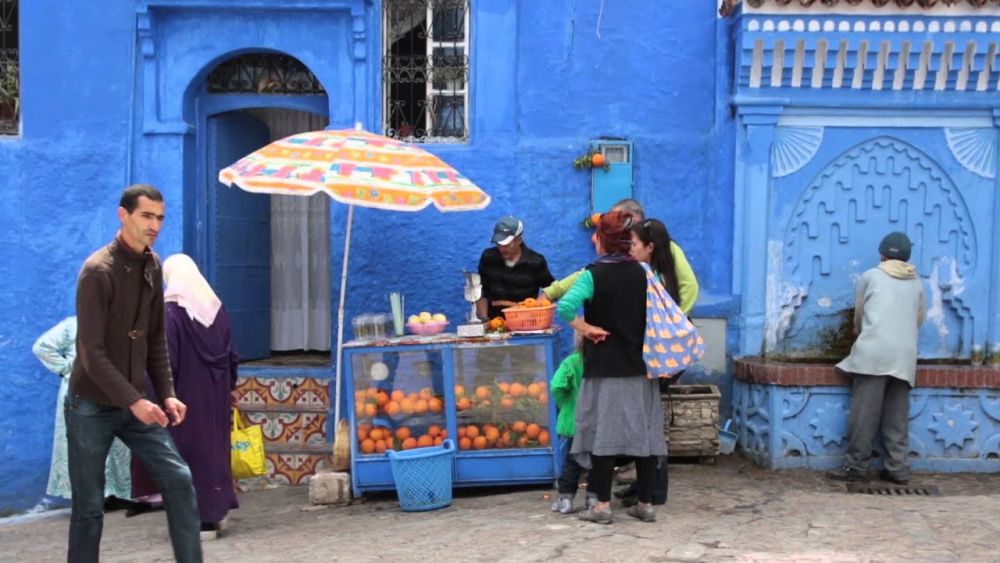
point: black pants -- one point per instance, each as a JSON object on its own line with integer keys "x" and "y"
{"x": 603, "y": 472}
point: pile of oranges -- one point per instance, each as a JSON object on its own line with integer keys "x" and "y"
{"x": 504, "y": 395}
{"x": 373, "y": 401}
{"x": 518, "y": 434}
{"x": 532, "y": 303}
{"x": 378, "y": 439}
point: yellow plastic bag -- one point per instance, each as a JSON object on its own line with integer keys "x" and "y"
{"x": 247, "y": 449}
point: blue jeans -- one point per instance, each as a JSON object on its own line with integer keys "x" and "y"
{"x": 90, "y": 429}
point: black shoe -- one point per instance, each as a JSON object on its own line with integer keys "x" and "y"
{"x": 848, "y": 474}
{"x": 141, "y": 508}
{"x": 629, "y": 491}
{"x": 896, "y": 478}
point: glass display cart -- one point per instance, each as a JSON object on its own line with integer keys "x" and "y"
{"x": 491, "y": 395}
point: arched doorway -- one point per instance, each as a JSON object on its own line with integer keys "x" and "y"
{"x": 268, "y": 257}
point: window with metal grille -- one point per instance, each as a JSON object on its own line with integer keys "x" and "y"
{"x": 10, "y": 75}
{"x": 425, "y": 70}
{"x": 263, "y": 73}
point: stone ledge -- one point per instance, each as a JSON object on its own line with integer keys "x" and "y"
{"x": 772, "y": 372}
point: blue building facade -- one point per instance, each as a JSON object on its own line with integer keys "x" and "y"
{"x": 118, "y": 95}
{"x": 742, "y": 133}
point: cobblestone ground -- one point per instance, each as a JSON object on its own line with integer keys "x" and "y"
{"x": 732, "y": 511}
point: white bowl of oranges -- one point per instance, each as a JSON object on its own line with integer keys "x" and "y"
{"x": 427, "y": 323}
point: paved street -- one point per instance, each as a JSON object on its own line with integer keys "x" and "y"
{"x": 729, "y": 512}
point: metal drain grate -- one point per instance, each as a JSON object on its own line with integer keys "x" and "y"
{"x": 893, "y": 490}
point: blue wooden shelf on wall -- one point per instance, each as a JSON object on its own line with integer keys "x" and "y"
{"x": 443, "y": 386}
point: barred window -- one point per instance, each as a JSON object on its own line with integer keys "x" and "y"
{"x": 10, "y": 75}
{"x": 263, "y": 73}
{"x": 425, "y": 70}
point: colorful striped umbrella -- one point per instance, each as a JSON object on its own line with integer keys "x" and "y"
{"x": 356, "y": 168}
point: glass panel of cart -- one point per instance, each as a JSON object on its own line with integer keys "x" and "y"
{"x": 398, "y": 400}
{"x": 501, "y": 397}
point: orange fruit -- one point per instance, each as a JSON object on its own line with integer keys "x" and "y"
{"x": 482, "y": 392}
{"x": 381, "y": 398}
{"x": 471, "y": 431}
{"x": 542, "y": 302}
{"x": 380, "y": 446}
{"x": 421, "y": 406}
{"x": 398, "y": 395}
{"x": 370, "y": 410}
{"x": 463, "y": 404}
{"x": 532, "y": 431}
{"x": 435, "y": 404}
{"x": 367, "y": 446}
{"x": 406, "y": 406}
{"x": 424, "y": 441}
{"x": 359, "y": 395}
{"x": 426, "y": 393}
{"x": 359, "y": 407}
{"x": 507, "y": 401}
{"x": 443, "y": 434}
{"x": 479, "y": 442}
{"x": 543, "y": 398}
{"x": 491, "y": 433}
{"x": 519, "y": 426}
{"x": 371, "y": 392}
{"x": 402, "y": 433}
{"x": 529, "y": 302}
{"x": 543, "y": 437}
{"x": 597, "y": 159}
{"x": 504, "y": 387}
{"x": 392, "y": 408}
{"x": 517, "y": 389}
{"x": 434, "y": 430}
{"x": 534, "y": 389}
{"x": 461, "y": 432}
{"x": 409, "y": 443}
{"x": 522, "y": 441}
{"x": 438, "y": 441}
{"x": 375, "y": 434}
{"x": 464, "y": 443}
{"x": 505, "y": 438}
{"x": 459, "y": 390}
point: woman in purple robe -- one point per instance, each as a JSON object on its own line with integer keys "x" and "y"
{"x": 204, "y": 365}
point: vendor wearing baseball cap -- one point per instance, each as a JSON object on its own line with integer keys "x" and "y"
{"x": 510, "y": 271}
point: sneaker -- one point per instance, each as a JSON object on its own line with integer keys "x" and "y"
{"x": 894, "y": 477}
{"x": 563, "y": 504}
{"x": 596, "y": 516}
{"x": 646, "y": 514}
{"x": 848, "y": 474}
{"x": 209, "y": 532}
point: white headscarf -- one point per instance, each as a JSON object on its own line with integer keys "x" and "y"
{"x": 189, "y": 289}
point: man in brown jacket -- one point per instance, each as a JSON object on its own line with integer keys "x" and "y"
{"x": 120, "y": 337}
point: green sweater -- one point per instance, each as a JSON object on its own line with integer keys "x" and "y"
{"x": 565, "y": 385}
{"x": 687, "y": 283}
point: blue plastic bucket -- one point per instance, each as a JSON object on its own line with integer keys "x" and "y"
{"x": 727, "y": 439}
{"x": 423, "y": 476}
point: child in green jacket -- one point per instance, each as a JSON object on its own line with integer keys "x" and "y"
{"x": 564, "y": 385}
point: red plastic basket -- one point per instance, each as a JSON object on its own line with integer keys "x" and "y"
{"x": 529, "y": 318}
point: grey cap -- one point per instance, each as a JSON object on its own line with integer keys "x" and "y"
{"x": 507, "y": 229}
{"x": 896, "y": 246}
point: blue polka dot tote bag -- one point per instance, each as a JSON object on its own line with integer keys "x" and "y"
{"x": 672, "y": 343}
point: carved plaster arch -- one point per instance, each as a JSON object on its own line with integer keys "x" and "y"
{"x": 879, "y": 185}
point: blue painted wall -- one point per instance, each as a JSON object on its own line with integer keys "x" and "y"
{"x": 108, "y": 99}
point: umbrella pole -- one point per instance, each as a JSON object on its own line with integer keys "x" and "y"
{"x": 340, "y": 316}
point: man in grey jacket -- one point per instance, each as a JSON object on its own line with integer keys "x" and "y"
{"x": 888, "y": 310}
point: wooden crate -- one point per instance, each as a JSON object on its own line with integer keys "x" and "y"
{"x": 691, "y": 421}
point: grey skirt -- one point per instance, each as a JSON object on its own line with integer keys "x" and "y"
{"x": 618, "y": 416}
